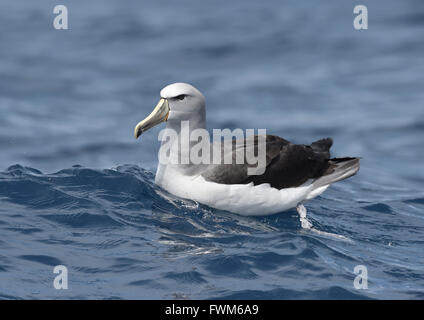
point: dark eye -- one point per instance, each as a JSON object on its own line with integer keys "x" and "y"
{"x": 180, "y": 97}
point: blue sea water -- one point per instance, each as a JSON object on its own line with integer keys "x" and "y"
{"x": 77, "y": 190}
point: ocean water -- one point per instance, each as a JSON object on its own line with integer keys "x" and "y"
{"x": 76, "y": 189}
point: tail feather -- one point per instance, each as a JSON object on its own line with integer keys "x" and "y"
{"x": 339, "y": 169}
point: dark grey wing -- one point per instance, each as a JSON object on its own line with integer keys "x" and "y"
{"x": 287, "y": 164}
{"x": 237, "y": 173}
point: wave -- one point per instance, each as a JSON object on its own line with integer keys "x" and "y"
{"x": 80, "y": 197}
{"x": 117, "y": 229}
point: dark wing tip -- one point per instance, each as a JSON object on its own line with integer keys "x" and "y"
{"x": 322, "y": 145}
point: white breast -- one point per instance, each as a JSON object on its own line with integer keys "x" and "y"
{"x": 244, "y": 199}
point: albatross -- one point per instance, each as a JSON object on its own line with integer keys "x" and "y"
{"x": 292, "y": 173}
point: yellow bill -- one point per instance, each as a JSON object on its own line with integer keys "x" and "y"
{"x": 159, "y": 114}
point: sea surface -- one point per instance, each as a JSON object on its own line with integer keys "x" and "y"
{"x": 76, "y": 188}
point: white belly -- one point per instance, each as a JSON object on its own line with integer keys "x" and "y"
{"x": 243, "y": 199}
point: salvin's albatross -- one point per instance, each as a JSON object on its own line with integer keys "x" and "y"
{"x": 293, "y": 173}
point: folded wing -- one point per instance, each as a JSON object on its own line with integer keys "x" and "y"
{"x": 287, "y": 165}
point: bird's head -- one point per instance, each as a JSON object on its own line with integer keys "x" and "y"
{"x": 178, "y": 102}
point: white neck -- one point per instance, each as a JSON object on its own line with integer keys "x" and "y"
{"x": 180, "y": 147}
